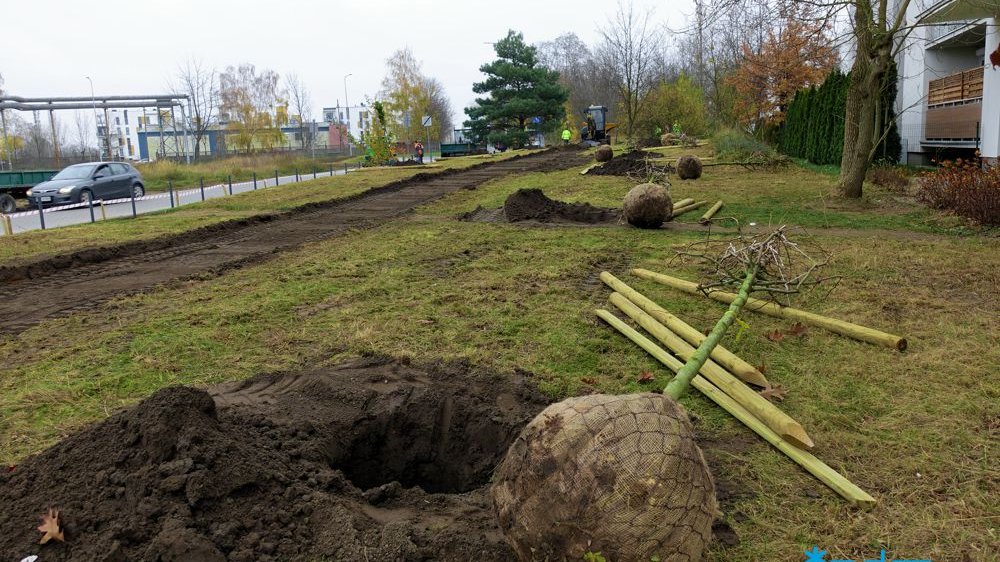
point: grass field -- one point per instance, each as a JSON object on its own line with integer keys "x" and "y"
{"x": 38, "y": 244}
{"x": 918, "y": 430}
{"x": 241, "y": 168}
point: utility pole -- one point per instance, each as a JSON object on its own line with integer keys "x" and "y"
{"x": 6, "y": 142}
{"x": 55, "y": 136}
{"x": 347, "y": 105}
{"x": 93, "y": 100}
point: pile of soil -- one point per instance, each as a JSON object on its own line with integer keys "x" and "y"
{"x": 410, "y": 162}
{"x": 631, "y": 163}
{"x": 371, "y": 460}
{"x": 530, "y": 204}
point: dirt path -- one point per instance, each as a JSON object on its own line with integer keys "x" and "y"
{"x": 27, "y": 302}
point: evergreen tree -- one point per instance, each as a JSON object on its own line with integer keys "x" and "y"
{"x": 519, "y": 90}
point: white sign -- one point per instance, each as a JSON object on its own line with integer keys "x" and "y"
{"x": 426, "y": 121}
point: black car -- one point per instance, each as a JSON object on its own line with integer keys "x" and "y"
{"x": 81, "y": 183}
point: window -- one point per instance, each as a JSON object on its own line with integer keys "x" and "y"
{"x": 117, "y": 121}
{"x": 117, "y": 169}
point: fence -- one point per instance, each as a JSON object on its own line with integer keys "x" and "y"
{"x": 42, "y": 217}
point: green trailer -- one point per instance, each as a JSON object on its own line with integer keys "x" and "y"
{"x": 16, "y": 183}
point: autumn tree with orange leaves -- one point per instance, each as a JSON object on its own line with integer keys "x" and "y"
{"x": 796, "y": 54}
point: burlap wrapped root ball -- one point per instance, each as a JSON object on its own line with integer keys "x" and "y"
{"x": 647, "y": 205}
{"x": 603, "y": 153}
{"x": 668, "y": 139}
{"x": 620, "y": 475}
{"x": 689, "y": 167}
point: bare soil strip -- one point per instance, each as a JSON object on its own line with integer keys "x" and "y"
{"x": 60, "y": 286}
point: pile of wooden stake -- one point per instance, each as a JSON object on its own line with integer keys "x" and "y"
{"x": 724, "y": 377}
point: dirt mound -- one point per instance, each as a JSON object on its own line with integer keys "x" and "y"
{"x": 371, "y": 460}
{"x": 635, "y": 163}
{"x": 533, "y": 205}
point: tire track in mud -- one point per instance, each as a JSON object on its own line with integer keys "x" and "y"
{"x": 131, "y": 269}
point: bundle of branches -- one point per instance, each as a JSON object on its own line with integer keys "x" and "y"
{"x": 781, "y": 267}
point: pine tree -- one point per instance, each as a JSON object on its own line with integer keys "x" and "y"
{"x": 519, "y": 90}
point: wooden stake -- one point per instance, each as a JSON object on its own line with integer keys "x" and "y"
{"x": 707, "y": 217}
{"x": 689, "y": 207}
{"x": 816, "y": 467}
{"x": 8, "y": 228}
{"x": 104, "y": 212}
{"x": 683, "y": 203}
{"x": 848, "y": 329}
{"x": 777, "y": 420}
{"x": 720, "y": 355}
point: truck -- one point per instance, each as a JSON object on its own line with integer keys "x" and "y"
{"x": 14, "y": 184}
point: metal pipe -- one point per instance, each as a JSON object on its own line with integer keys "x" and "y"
{"x": 102, "y": 104}
{"x": 155, "y": 97}
{"x": 93, "y": 102}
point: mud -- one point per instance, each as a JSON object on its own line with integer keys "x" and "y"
{"x": 371, "y": 460}
{"x": 374, "y": 459}
{"x": 635, "y": 163}
{"x": 533, "y": 205}
{"x": 62, "y": 285}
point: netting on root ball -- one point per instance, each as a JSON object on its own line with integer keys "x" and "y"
{"x": 617, "y": 474}
{"x": 647, "y": 205}
{"x": 689, "y": 167}
{"x": 603, "y": 153}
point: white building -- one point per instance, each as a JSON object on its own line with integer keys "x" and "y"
{"x": 355, "y": 120}
{"x": 949, "y": 93}
{"x": 124, "y": 129}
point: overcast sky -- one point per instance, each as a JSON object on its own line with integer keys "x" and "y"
{"x": 135, "y": 46}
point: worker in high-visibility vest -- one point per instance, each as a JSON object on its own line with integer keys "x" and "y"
{"x": 566, "y": 136}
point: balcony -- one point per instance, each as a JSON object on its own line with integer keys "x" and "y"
{"x": 954, "y": 108}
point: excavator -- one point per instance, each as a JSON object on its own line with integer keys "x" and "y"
{"x": 596, "y": 128}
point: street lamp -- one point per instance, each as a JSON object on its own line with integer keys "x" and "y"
{"x": 348, "y": 106}
{"x": 93, "y": 100}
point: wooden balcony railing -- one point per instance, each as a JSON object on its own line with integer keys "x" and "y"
{"x": 961, "y": 86}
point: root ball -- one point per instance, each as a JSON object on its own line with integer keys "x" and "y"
{"x": 604, "y": 153}
{"x": 647, "y": 205}
{"x": 689, "y": 167}
{"x": 617, "y": 474}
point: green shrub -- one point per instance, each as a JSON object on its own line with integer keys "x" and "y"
{"x": 731, "y": 144}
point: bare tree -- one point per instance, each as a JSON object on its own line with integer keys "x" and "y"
{"x": 301, "y": 102}
{"x": 252, "y": 105}
{"x": 579, "y": 72}
{"x": 629, "y": 53}
{"x": 201, "y": 84}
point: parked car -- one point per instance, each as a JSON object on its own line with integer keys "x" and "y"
{"x": 92, "y": 181}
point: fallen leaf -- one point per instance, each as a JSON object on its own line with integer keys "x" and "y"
{"x": 762, "y": 368}
{"x": 425, "y": 322}
{"x": 774, "y": 392}
{"x": 798, "y": 329}
{"x": 50, "y": 526}
{"x": 589, "y": 380}
{"x": 11, "y": 468}
{"x": 646, "y": 376}
{"x": 775, "y": 336}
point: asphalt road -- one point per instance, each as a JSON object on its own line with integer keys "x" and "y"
{"x": 26, "y": 220}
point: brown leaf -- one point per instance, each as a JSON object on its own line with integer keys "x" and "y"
{"x": 798, "y": 329}
{"x": 50, "y": 526}
{"x": 588, "y": 380}
{"x": 646, "y": 376}
{"x": 775, "y": 336}
{"x": 762, "y": 368}
{"x": 774, "y": 392}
